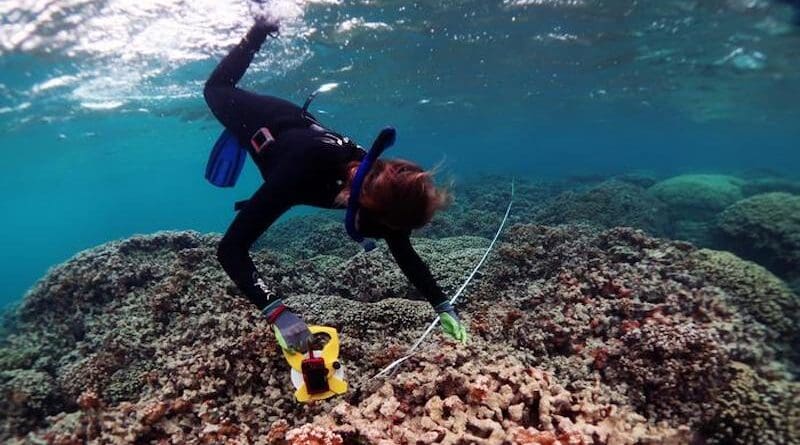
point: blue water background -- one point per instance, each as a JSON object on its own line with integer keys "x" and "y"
{"x": 520, "y": 104}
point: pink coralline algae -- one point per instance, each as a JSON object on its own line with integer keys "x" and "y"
{"x": 579, "y": 336}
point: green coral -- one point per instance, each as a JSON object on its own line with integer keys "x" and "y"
{"x": 698, "y": 196}
{"x": 751, "y": 288}
{"x": 754, "y": 410}
{"x": 766, "y": 228}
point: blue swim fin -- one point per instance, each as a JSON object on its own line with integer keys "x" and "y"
{"x": 226, "y": 160}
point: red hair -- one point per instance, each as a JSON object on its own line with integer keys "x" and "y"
{"x": 399, "y": 192}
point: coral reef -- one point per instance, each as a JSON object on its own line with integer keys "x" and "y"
{"x": 630, "y": 308}
{"x": 480, "y": 202}
{"x": 579, "y": 335}
{"x": 308, "y": 236}
{"x": 609, "y": 204}
{"x": 373, "y": 276}
{"x": 753, "y": 290}
{"x": 755, "y": 410}
{"x": 640, "y": 179}
{"x": 27, "y": 396}
{"x": 671, "y": 362}
{"x": 766, "y": 228}
{"x": 693, "y": 202}
{"x": 481, "y": 395}
{"x": 698, "y": 196}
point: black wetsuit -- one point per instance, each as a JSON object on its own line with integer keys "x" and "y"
{"x": 305, "y": 165}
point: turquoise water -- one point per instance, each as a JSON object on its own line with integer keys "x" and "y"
{"x": 104, "y": 132}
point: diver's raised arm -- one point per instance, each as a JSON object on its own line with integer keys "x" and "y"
{"x": 233, "y": 66}
{"x": 241, "y": 111}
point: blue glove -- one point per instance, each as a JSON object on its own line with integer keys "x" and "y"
{"x": 291, "y": 331}
{"x": 451, "y": 325}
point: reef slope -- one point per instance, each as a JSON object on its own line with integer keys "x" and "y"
{"x": 579, "y": 335}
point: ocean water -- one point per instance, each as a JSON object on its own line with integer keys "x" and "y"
{"x": 629, "y": 127}
{"x": 104, "y": 132}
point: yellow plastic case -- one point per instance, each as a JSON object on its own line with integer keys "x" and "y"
{"x": 329, "y": 353}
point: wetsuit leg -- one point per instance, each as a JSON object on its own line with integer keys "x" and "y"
{"x": 240, "y": 111}
{"x": 233, "y": 253}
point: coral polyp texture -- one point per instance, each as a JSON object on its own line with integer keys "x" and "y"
{"x": 579, "y": 335}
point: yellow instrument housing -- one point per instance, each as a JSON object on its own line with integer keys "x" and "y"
{"x": 329, "y": 353}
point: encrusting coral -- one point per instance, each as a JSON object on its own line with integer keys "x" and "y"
{"x": 579, "y": 335}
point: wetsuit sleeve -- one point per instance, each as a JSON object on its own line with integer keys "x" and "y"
{"x": 241, "y": 111}
{"x": 233, "y": 66}
{"x": 268, "y": 203}
{"x": 415, "y": 269}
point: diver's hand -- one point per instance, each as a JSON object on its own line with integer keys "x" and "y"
{"x": 264, "y": 18}
{"x": 451, "y": 325}
{"x": 291, "y": 331}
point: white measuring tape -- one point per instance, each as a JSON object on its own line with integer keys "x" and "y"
{"x": 392, "y": 366}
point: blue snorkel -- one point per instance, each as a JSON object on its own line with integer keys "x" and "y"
{"x": 384, "y": 140}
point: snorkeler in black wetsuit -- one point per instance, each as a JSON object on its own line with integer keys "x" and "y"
{"x": 311, "y": 165}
